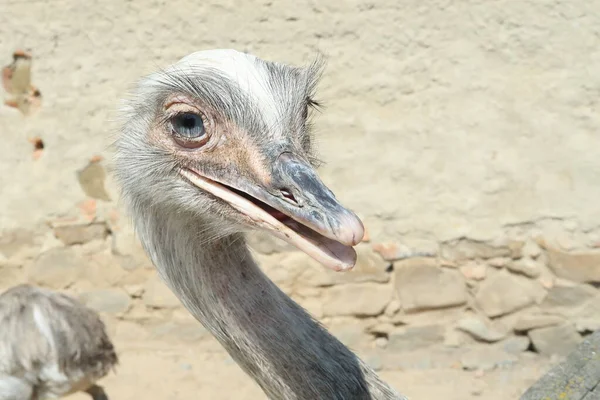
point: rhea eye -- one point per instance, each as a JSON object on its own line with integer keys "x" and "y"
{"x": 188, "y": 130}
{"x": 188, "y": 126}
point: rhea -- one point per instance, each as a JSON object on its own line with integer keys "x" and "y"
{"x": 214, "y": 146}
{"x": 50, "y": 346}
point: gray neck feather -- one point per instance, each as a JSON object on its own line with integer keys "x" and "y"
{"x": 271, "y": 337}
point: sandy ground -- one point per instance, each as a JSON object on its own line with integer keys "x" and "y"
{"x": 172, "y": 371}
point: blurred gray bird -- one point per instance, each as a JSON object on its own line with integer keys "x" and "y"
{"x": 50, "y": 346}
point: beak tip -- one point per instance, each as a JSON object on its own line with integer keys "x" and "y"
{"x": 353, "y": 230}
{"x": 358, "y": 238}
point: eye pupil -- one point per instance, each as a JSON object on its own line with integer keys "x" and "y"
{"x": 189, "y": 122}
{"x": 188, "y": 126}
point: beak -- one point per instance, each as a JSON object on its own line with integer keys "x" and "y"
{"x": 295, "y": 206}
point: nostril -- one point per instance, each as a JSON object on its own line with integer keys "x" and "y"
{"x": 287, "y": 194}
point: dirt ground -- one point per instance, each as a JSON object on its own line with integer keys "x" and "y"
{"x": 173, "y": 371}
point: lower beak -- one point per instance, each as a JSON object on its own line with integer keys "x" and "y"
{"x": 296, "y": 207}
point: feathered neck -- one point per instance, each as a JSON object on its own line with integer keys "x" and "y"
{"x": 271, "y": 337}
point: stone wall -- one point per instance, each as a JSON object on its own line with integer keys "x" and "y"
{"x": 532, "y": 290}
{"x": 441, "y": 120}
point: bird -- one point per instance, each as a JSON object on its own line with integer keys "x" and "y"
{"x": 16, "y": 80}
{"x": 51, "y": 346}
{"x": 210, "y": 148}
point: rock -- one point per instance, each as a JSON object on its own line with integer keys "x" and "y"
{"x": 312, "y": 274}
{"x": 91, "y": 179}
{"x": 593, "y": 239}
{"x": 560, "y": 339}
{"x": 112, "y": 301}
{"x": 392, "y": 251}
{"x": 307, "y": 291}
{"x": 71, "y": 234}
{"x": 516, "y": 248}
{"x": 586, "y": 325}
{"x": 142, "y": 314}
{"x": 350, "y": 333}
{"x": 392, "y": 308}
{"x": 504, "y": 293}
{"x": 422, "y": 285}
{"x": 525, "y": 266}
{"x": 515, "y": 344}
{"x": 571, "y": 225}
{"x": 415, "y": 337}
{"x": 57, "y": 268}
{"x": 565, "y": 298}
{"x": 158, "y": 295}
{"x": 467, "y": 249}
{"x": 486, "y": 359}
{"x": 50, "y": 241}
{"x": 447, "y": 263}
{"x": 284, "y": 268}
{"x": 471, "y": 284}
{"x": 89, "y": 209}
{"x": 381, "y": 342}
{"x": 134, "y": 291}
{"x": 535, "y": 321}
{"x": 479, "y": 330}
{"x": 587, "y": 317}
{"x": 359, "y": 299}
{"x": 578, "y": 266}
{"x": 498, "y": 262}
{"x": 128, "y": 249}
{"x": 93, "y": 247}
{"x": 445, "y": 316}
{"x": 547, "y": 282}
{"x": 457, "y": 338}
{"x": 12, "y": 242}
{"x": 313, "y": 305}
{"x": 531, "y": 250}
{"x": 398, "y": 251}
{"x": 382, "y": 328}
{"x": 369, "y": 268}
{"x": 474, "y": 271}
{"x": 103, "y": 270}
{"x": 421, "y": 247}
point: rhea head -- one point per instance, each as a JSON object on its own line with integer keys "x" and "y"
{"x": 225, "y": 137}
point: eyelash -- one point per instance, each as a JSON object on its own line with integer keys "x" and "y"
{"x": 312, "y": 103}
{"x": 166, "y": 118}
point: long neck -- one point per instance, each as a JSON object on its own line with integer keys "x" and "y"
{"x": 270, "y": 336}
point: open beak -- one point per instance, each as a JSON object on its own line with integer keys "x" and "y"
{"x": 296, "y": 207}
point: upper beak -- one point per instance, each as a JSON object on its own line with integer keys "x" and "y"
{"x": 296, "y": 206}
{"x": 305, "y": 198}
